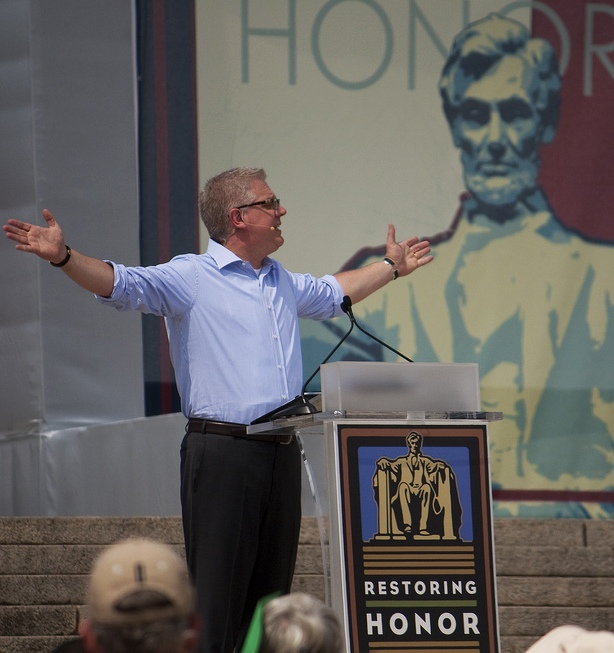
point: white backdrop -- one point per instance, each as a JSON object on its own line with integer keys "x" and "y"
{"x": 68, "y": 134}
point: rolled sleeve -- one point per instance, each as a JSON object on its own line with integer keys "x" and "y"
{"x": 166, "y": 290}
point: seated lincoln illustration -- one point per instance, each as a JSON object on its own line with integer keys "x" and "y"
{"x": 416, "y": 496}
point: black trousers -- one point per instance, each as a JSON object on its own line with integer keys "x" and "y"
{"x": 241, "y": 508}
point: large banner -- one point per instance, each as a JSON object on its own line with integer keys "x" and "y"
{"x": 485, "y": 126}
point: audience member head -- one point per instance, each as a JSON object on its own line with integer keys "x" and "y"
{"x": 300, "y": 623}
{"x": 573, "y": 639}
{"x": 140, "y": 600}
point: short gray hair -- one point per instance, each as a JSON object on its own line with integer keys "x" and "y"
{"x": 224, "y": 192}
{"x": 482, "y": 44}
{"x": 300, "y": 623}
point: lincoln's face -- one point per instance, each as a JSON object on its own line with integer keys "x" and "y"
{"x": 498, "y": 130}
{"x": 413, "y": 444}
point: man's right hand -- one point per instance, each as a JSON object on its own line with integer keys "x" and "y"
{"x": 46, "y": 242}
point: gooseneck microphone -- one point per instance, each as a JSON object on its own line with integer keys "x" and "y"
{"x": 346, "y": 307}
{"x": 300, "y": 405}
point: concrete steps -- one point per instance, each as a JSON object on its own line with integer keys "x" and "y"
{"x": 549, "y": 572}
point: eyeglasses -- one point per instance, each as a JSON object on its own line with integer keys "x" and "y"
{"x": 271, "y": 203}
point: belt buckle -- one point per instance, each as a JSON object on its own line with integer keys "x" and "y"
{"x": 286, "y": 439}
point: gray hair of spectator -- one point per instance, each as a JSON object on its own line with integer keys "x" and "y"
{"x": 300, "y": 623}
{"x": 485, "y": 42}
{"x": 223, "y": 192}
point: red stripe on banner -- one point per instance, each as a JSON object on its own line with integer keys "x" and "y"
{"x": 578, "y": 166}
{"x": 162, "y": 178}
{"x": 195, "y": 179}
{"x": 576, "y": 496}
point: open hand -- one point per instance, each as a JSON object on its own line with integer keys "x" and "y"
{"x": 46, "y": 242}
{"x": 408, "y": 254}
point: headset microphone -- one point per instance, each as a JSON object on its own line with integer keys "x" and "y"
{"x": 261, "y": 226}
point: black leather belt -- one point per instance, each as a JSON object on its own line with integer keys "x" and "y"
{"x": 196, "y": 425}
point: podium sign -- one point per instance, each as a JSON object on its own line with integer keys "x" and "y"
{"x": 412, "y": 564}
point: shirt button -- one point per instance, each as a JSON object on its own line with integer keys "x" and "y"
{"x": 275, "y": 336}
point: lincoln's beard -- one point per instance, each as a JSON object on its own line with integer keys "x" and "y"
{"x": 501, "y": 190}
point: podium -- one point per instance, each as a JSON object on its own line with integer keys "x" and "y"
{"x": 409, "y": 503}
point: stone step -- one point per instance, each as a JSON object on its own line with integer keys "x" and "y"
{"x": 52, "y": 558}
{"x": 55, "y": 559}
{"x": 549, "y": 572}
{"x": 554, "y": 561}
{"x": 87, "y": 530}
{"x": 553, "y": 532}
{"x": 40, "y": 620}
{"x": 43, "y": 589}
{"x": 106, "y": 530}
{"x": 535, "y": 620}
{"x": 31, "y": 644}
{"x": 555, "y": 591}
{"x": 69, "y": 589}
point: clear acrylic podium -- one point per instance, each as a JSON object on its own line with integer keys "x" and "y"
{"x": 411, "y": 556}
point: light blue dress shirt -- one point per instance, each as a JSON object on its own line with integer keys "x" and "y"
{"x": 233, "y": 333}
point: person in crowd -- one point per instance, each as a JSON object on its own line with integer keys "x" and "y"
{"x": 294, "y": 623}
{"x": 573, "y": 639}
{"x": 140, "y": 599}
{"x": 232, "y": 321}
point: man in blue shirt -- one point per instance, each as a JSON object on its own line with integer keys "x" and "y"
{"x": 232, "y": 320}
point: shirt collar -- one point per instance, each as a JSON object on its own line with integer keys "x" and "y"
{"x": 224, "y": 257}
{"x": 220, "y": 254}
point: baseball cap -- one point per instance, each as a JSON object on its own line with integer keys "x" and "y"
{"x": 126, "y": 570}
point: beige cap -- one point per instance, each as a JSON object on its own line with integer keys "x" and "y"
{"x": 132, "y": 566}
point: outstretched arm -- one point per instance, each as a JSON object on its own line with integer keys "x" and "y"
{"x": 407, "y": 256}
{"x": 48, "y": 243}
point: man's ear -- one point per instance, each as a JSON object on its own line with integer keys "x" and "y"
{"x": 236, "y": 217}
